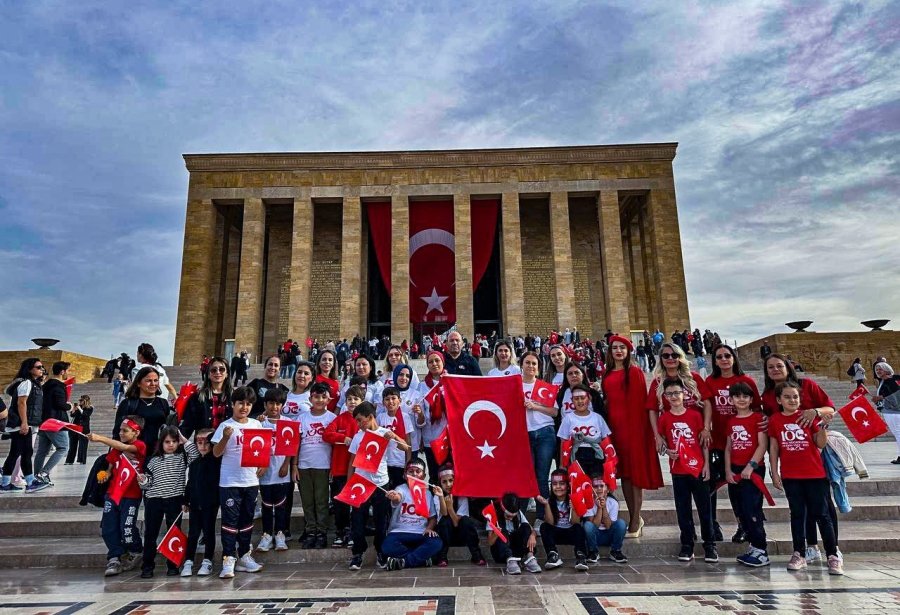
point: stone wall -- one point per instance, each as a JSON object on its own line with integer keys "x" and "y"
{"x": 84, "y": 367}
{"x": 325, "y": 294}
{"x": 279, "y": 222}
{"x": 590, "y": 316}
{"x": 829, "y": 354}
{"x": 537, "y": 266}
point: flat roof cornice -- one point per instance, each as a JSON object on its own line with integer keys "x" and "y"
{"x": 287, "y": 161}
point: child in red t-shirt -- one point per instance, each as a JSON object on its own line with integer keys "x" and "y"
{"x": 797, "y": 469}
{"x": 745, "y": 449}
{"x": 119, "y": 522}
{"x": 680, "y": 428}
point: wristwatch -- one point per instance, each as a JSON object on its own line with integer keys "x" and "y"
{"x": 753, "y": 464}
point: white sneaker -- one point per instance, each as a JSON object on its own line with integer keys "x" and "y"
{"x": 813, "y": 554}
{"x": 227, "y": 567}
{"x": 248, "y": 564}
{"x": 206, "y": 568}
{"x": 280, "y": 542}
{"x": 187, "y": 569}
{"x": 265, "y": 543}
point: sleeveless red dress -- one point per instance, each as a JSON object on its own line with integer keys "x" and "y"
{"x": 631, "y": 432}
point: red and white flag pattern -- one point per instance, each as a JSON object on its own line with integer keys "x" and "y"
{"x": 544, "y": 393}
{"x": 440, "y": 446}
{"x": 371, "y": 449}
{"x": 173, "y": 545}
{"x": 256, "y": 448}
{"x": 357, "y": 491}
{"x": 862, "y": 420}
{"x": 287, "y": 437}
{"x": 419, "y": 491}
{"x": 490, "y": 516}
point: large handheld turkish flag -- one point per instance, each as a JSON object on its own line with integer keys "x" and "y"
{"x": 488, "y": 435}
{"x": 862, "y": 420}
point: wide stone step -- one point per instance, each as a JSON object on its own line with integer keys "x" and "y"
{"x": 87, "y": 552}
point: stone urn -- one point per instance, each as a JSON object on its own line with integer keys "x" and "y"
{"x": 44, "y": 343}
{"x": 875, "y": 325}
{"x": 799, "y": 326}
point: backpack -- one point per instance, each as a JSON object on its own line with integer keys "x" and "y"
{"x": 851, "y": 370}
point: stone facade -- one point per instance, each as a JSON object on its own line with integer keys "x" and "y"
{"x": 276, "y": 245}
{"x": 84, "y": 367}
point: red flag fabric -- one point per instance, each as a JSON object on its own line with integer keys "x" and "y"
{"x": 70, "y": 384}
{"x": 862, "y": 420}
{"x": 256, "y": 448}
{"x": 187, "y": 389}
{"x": 433, "y": 396}
{"x": 56, "y": 425}
{"x": 419, "y": 491}
{"x": 371, "y": 449}
{"x": 121, "y": 480}
{"x": 610, "y": 473}
{"x": 580, "y": 489}
{"x": 357, "y": 491}
{"x": 488, "y": 435}
{"x": 334, "y": 386}
{"x": 432, "y": 262}
{"x": 173, "y": 545}
{"x": 490, "y": 515}
{"x": 609, "y": 451}
{"x": 565, "y": 453}
{"x": 287, "y": 437}
{"x": 398, "y": 425}
{"x": 440, "y": 446}
{"x": 859, "y": 391}
{"x": 544, "y": 393}
{"x": 690, "y": 457}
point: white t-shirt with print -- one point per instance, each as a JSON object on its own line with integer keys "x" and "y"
{"x": 591, "y": 425}
{"x": 295, "y": 404}
{"x": 396, "y": 458}
{"x": 232, "y": 474}
{"x": 404, "y": 517}
{"x": 612, "y": 507}
{"x": 512, "y": 370}
{"x": 315, "y": 452}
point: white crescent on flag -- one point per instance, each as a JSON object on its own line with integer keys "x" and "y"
{"x": 858, "y": 409}
{"x": 175, "y": 539}
{"x": 482, "y": 405}
{"x": 375, "y": 444}
{"x": 288, "y": 431}
{"x": 262, "y": 441}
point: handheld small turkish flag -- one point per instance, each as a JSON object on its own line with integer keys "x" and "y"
{"x": 256, "y": 448}
{"x": 862, "y": 420}
{"x": 187, "y": 389}
{"x": 581, "y": 489}
{"x": 371, "y": 449}
{"x": 440, "y": 446}
{"x": 565, "y": 453}
{"x": 609, "y": 473}
{"x": 122, "y": 479}
{"x": 689, "y": 458}
{"x": 357, "y": 491}
{"x": 609, "y": 451}
{"x": 544, "y": 393}
{"x": 334, "y": 386}
{"x": 489, "y": 436}
{"x": 433, "y": 397}
{"x": 490, "y": 516}
{"x": 173, "y": 545}
{"x": 419, "y": 491}
{"x": 56, "y": 425}
{"x": 287, "y": 437}
{"x": 70, "y": 384}
{"x": 859, "y": 391}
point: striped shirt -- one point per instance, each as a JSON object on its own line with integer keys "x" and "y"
{"x": 167, "y": 474}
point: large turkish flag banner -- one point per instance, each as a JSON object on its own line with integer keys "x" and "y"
{"x": 488, "y": 435}
{"x": 432, "y": 262}
{"x": 862, "y": 420}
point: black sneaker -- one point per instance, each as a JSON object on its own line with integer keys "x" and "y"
{"x": 396, "y": 563}
{"x": 686, "y": 554}
{"x": 355, "y": 562}
{"x": 710, "y": 555}
{"x": 146, "y": 574}
{"x": 896, "y": 461}
{"x": 172, "y": 572}
{"x": 739, "y": 535}
{"x": 553, "y": 561}
{"x": 309, "y": 542}
{"x": 321, "y": 540}
{"x": 381, "y": 560}
{"x": 618, "y": 557}
{"x": 717, "y": 532}
{"x": 580, "y": 563}
{"x": 593, "y": 557}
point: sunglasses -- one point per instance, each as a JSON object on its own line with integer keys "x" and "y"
{"x": 723, "y": 356}
{"x": 217, "y": 370}
{"x": 37, "y": 367}
{"x": 668, "y": 355}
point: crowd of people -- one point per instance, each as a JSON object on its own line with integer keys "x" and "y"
{"x": 714, "y": 431}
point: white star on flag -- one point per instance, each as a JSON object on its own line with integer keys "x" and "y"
{"x": 435, "y": 301}
{"x": 486, "y": 450}
{"x": 865, "y": 423}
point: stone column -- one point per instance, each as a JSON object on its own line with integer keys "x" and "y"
{"x": 400, "y": 328}
{"x": 462, "y": 231}
{"x": 561, "y": 244}
{"x": 248, "y": 331}
{"x": 511, "y": 266}
{"x": 671, "y": 293}
{"x": 301, "y": 270}
{"x": 615, "y": 285}
{"x": 196, "y": 281}
{"x": 351, "y": 259}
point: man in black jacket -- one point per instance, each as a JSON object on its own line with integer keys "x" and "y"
{"x": 458, "y": 362}
{"x": 55, "y": 407}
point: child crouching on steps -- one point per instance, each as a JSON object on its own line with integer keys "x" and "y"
{"x": 163, "y": 484}
{"x": 561, "y": 524}
{"x": 119, "y": 522}
{"x": 202, "y": 493}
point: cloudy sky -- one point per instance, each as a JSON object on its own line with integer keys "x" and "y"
{"x": 787, "y": 115}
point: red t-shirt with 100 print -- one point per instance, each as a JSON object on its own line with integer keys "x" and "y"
{"x": 799, "y": 455}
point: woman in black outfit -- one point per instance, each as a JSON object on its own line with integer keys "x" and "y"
{"x": 141, "y": 399}
{"x": 81, "y": 415}
{"x": 211, "y": 403}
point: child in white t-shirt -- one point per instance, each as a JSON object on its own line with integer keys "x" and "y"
{"x": 586, "y": 429}
{"x": 275, "y": 483}
{"x": 411, "y": 540}
{"x": 314, "y": 466}
{"x": 401, "y": 424}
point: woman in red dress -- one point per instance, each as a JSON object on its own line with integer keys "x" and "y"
{"x": 626, "y": 397}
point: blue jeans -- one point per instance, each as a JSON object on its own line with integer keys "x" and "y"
{"x": 415, "y": 549}
{"x": 543, "y": 444}
{"x": 60, "y": 442}
{"x": 119, "y": 527}
{"x": 613, "y": 537}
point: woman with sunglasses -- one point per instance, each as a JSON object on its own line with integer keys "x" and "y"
{"x": 24, "y": 412}
{"x": 726, "y": 371}
{"x": 625, "y": 389}
{"x": 211, "y": 403}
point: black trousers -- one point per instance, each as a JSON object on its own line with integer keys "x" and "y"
{"x": 808, "y": 498}
{"x": 717, "y": 467}
{"x": 341, "y": 510}
{"x": 396, "y": 476}
{"x": 748, "y": 502}
{"x": 552, "y": 535}
{"x": 516, "y": 545}
{"x": 381, "y": 511}
{"x": 155, "y": 509}
{"x": 464, "y": 534}
{"x": 78, "y": 446}
{"x": 238, "y": 505}
{"x": 203, "y": 520}
{"x": 687, "y": 488}
{"x": 812, "y": 537}
{"x": 274, "y": 507}
{"x": 19, "y": 446}
{"x": 587, "y": 458}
